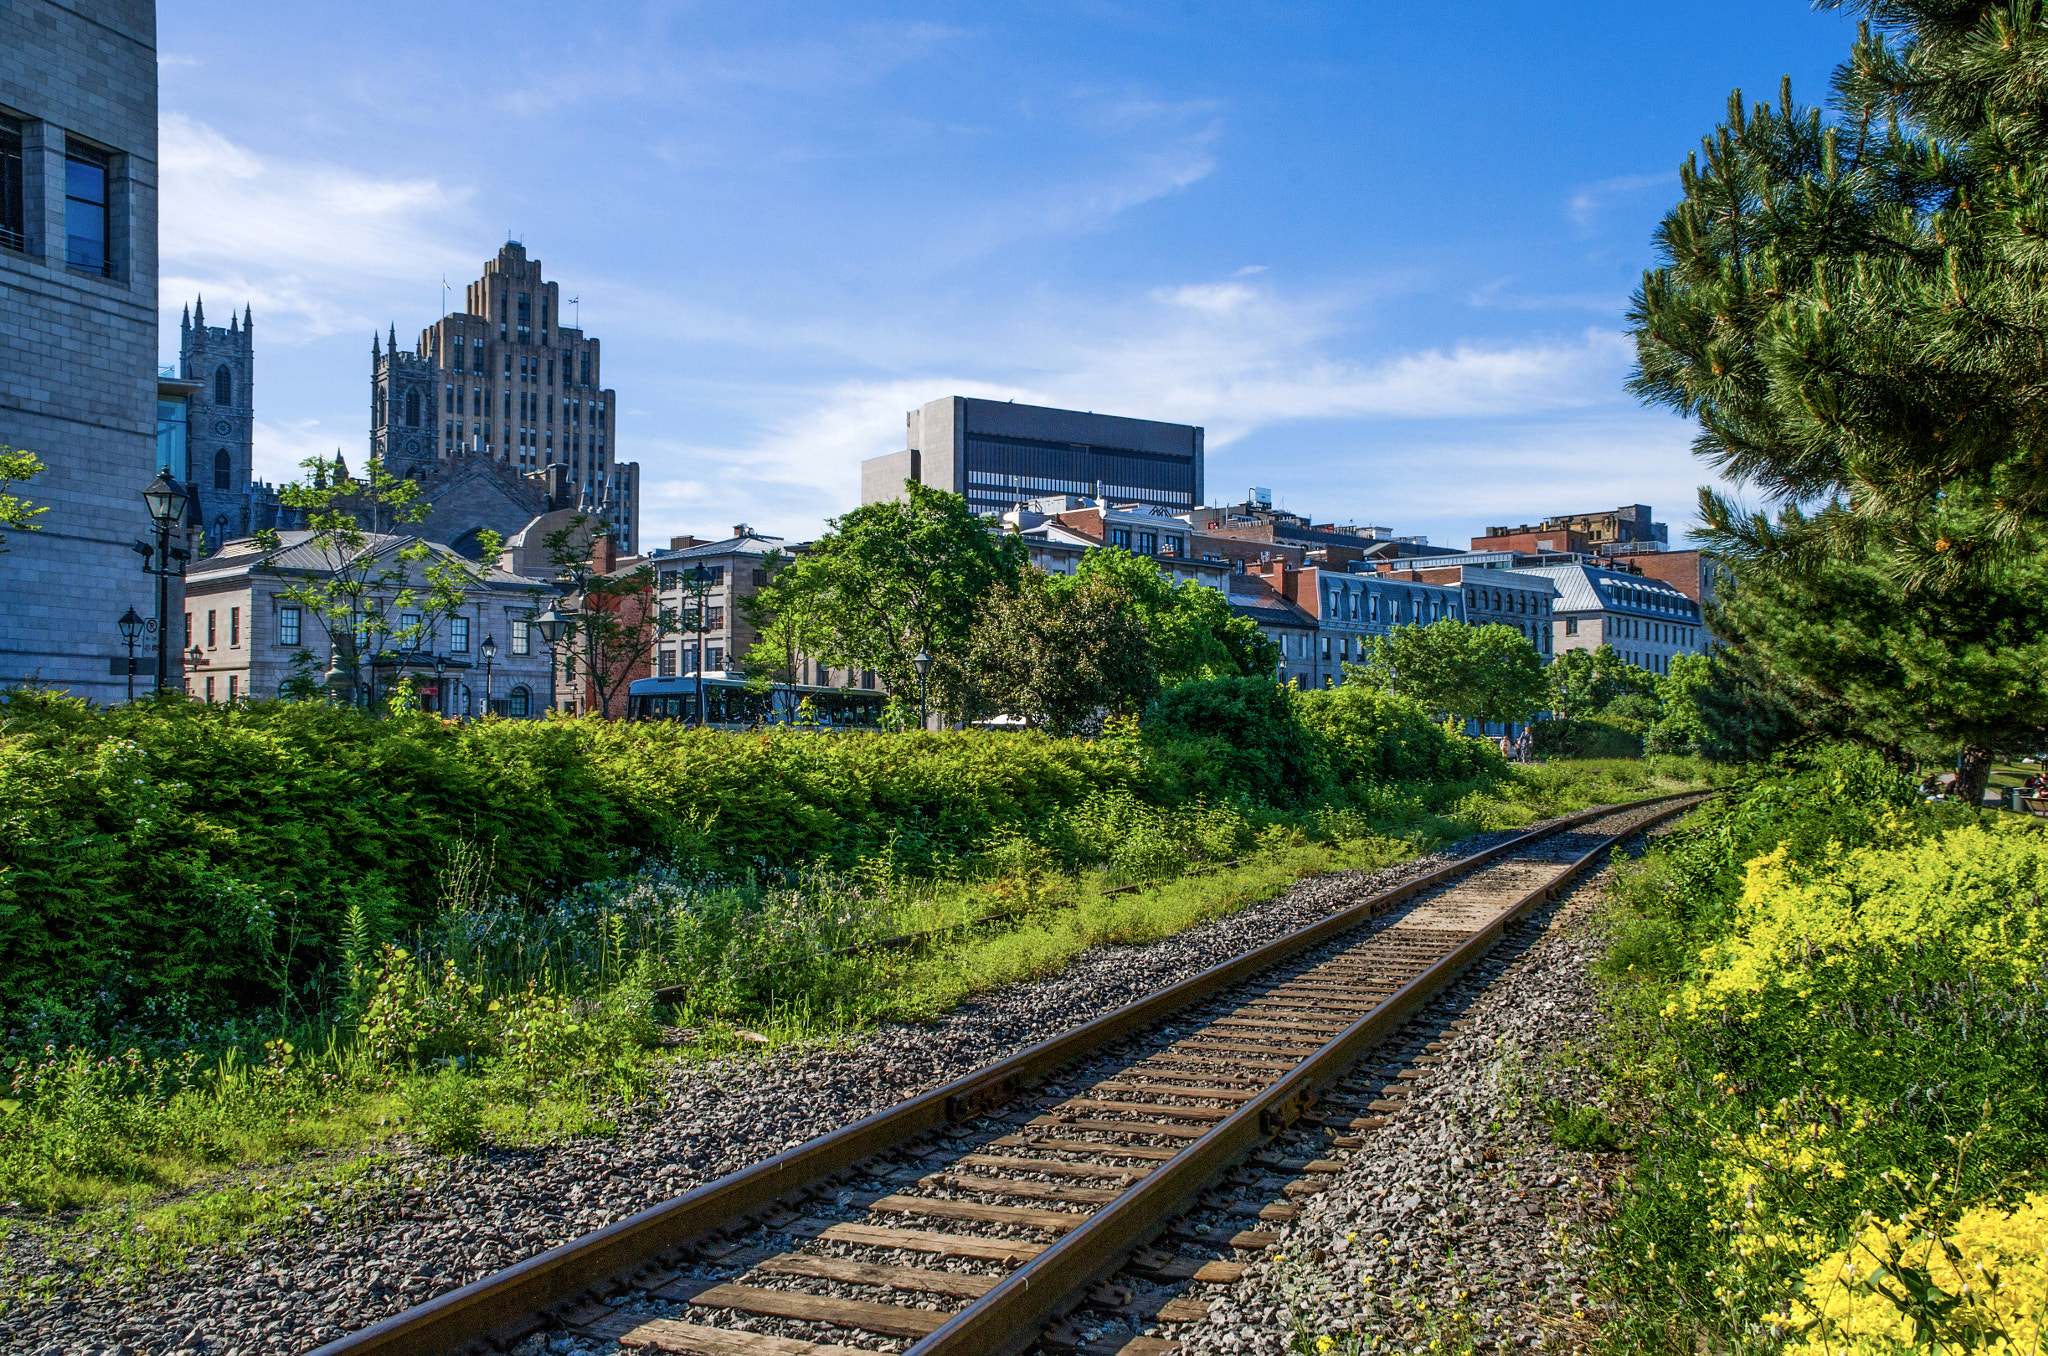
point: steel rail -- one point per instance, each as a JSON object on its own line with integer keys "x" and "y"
{"x": 1010, "y": 1317}
{"x": 471, "y": 1313}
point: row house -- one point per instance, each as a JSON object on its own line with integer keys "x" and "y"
{"x": 1522, "y": 600}
{"x": 1648, "y": 621}
{"x": 1347, "y": 605}
{"x": 243, "y": 634}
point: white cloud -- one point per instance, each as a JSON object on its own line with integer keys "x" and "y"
{"x": 1232, "y": 357}
{"x": 315, "y": 248}
{"x": 1588, "y": 201}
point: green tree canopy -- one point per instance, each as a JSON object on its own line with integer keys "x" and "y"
{"x": 1194, "y": 633}
{"x": 1923, "y": 671}
{"x": 1487, "y": 673}
{"x": 1584, "y": 683}
{"x": 1852, "y": 306}
{"x": 1059, "y": 658}
{"x": 17, "y": 513}
{"x": 887, "y": 581}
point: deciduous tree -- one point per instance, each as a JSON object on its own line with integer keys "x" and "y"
{"x": 1486, "y": 673}
{"x": 1060, "y": 658}
{"x": 18, "y": 514}
{"x": 1194, "y": 633}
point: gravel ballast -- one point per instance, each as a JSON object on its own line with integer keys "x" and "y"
{"x": 1460, "y": 1219}
{"x": 420, "y": 1225}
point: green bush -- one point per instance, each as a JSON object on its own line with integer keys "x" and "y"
{"x": 1246, "y": 740}
{"x": 448, "y": 1112}
{"x": 1370, "y": 737}
{"x": 1584, "y": 739}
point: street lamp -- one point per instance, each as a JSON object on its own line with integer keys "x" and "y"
{"x": 553, "y": 626}
{"x": 700, "y": 584}
{"x": 440, "y": 685}
{"x": 165, "y": 499}
{"x": 131, "y": 629}
{"x": 489, "y": 651}
{"x": 924, "y": 667}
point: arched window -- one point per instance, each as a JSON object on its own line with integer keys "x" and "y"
{"x": 220, "y": 469}
{"x": 223, "y": 386}
{"x": 520, "y": 704}
{"x": 412, "y": 408}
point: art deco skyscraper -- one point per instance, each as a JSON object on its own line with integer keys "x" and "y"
{"x": 505, "y": 381}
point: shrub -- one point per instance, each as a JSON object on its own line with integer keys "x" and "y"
{"x": 448, "y": 1112}
{"x": 1568, "y": 738}
{"x": 1242, "y": 737}
{"x": 1370, "y": 736}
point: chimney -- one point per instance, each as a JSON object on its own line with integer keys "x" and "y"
{"x": 742, "y": 530}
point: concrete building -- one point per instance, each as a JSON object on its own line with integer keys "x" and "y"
{"x": 248, "y": 635}
{"x": 1001, "y": 455}
{"x": 78, "y": 336}
{"x": 501, "y": 413}
{"x": 1647, "y": 621}
{"x": 1348, "y": 607}
{"x": 1062, "y": 528}
{"x": 1521, "y": 599}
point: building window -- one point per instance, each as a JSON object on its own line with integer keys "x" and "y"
{"x": 211, "y": 633}
{"x": 288, "y": 626}
{"x": 209, "y": 687}
{"x": 170, "y": 437}
{"x": 13, "y": 214}
{"x": 222, "y": 471}
{"x": 717, "y": 663}
{"x": 88, "y": 221}
{"x": 760, "y": 579}
{"x": 867, "y": 679}
{"x": 1148, "y": 543}
{"x": 409, "y": 629}
{"x": 1120, "y": 536}
{"x": 714, "y": 616}
{"x": 1571, "y": 626}
{"x": 412, "y": 408}
{"x": 223, "y": 386}
{"x": 234, "y": 686}
{"x": 526, "y": 317}
{"x": 234, "y": 627}
{"x": 520, "y": 704}
{"x": 188, "y": 630}
{"x": 666, "y": 664}
{"x": 458, "y": 635}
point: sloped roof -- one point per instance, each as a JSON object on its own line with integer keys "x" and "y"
{"x": 748, "y": 546}
{"x": 306, "y": 552}
{"x": 1587, "y": 588}
{"x": 1251, "y": 596}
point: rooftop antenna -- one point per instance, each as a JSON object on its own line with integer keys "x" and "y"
{"x": 444, "y": 294}
{"x": 577, "y": 302}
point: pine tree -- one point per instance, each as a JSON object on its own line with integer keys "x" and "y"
{"x": 1855, "y": 308}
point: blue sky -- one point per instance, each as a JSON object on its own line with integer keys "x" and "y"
{"x": 1382, "y": 252}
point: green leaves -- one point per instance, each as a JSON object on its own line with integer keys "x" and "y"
{"x": 1488, "y": 673}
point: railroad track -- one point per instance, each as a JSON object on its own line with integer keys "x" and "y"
{"x": 1061, "y": 1198}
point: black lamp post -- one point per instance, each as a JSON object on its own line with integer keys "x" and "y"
{"x": 924, "y": 667}
{"x": 165, "y": 499}
{"x": 489, "y": 651}
{"x": 553, "y": 626}
{"x": 131, "y": 629}
{"x": 700, "y": 584}
{"x": 440, "y": 685}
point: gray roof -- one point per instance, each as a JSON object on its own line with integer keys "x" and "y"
{"x": 731, "y": 546}
{"x": 304, "y": 552}
{"x": 1255, "y": 599}
{"x": 1587, "y": 588}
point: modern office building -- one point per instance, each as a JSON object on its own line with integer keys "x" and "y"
{"x": 78, "y": 336}
{"x": 501, "y": 412}
{"x": 1001, "y": 455}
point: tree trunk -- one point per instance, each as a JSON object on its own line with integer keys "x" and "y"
{"x": 1972, "y": 771}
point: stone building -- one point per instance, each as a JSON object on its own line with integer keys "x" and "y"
{"x": 1059, "y": 529}
{"x": 217, "y": 372}
{"x": 78, "y": 336}
{"x": 501, "y": 414}
{"x": 248, "y": 634}
{"x": 1348, "y": 606}
{"x": 1286, "y": 624}
{"x": 1646, "y": 620}
{"x": 1519, "y": 599}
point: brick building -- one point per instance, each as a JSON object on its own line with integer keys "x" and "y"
{"x": 78, "y": 336}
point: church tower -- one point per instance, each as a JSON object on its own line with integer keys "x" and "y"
{"x": 405, "y": 421}
{"x": 221, "y": 421}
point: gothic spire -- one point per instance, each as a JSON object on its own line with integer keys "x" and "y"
{"x": 248, "y": 319}
{"x": 376, "y": 352}
{"x": 185, "y": 319}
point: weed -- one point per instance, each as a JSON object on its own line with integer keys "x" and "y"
{"x": 448, "y": 1112}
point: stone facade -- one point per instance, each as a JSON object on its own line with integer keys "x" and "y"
{"x": 501, "y": 410}
{"x": 217, "y": 370}
{"x": 1648, "y": 621}
{"x": 248, "y": 634}
{"x": 1497, "y": 597}
{"x": 78, "y": 334}
{"x": 1347, "y": 607}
